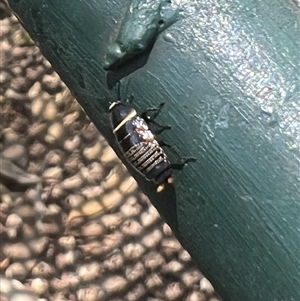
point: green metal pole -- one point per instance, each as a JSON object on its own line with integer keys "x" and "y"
{"x": 229, "y": 74}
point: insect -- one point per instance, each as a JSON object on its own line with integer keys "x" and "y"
{"x": 139, "y": 143}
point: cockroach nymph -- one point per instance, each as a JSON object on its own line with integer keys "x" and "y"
{"x": 139, "y": 143}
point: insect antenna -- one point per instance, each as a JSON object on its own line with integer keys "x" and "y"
{"x": 118, "y": 87}
{"x": 127, "y": 100}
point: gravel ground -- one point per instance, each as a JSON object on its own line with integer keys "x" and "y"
{"x": 74, "y": 225}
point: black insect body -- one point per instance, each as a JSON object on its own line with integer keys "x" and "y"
{"x": 139, "y": 144}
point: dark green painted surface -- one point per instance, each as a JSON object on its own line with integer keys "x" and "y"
{"x": 229, "y": 73}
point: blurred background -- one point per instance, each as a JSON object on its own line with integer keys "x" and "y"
{"x": 74, "y": 225}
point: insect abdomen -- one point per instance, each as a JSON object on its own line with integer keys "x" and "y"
{"x": 139, "y": 144}
{"x": 150, "y": 160}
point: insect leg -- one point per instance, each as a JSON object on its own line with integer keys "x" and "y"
{"x": 157, "y": 110}
{"x": 161, "y": 127}
{"x": 151, "y": 119}
{"x": 130, "y": 99}
{"x": 183, "y": 160}
{"x": 118, "y": 86}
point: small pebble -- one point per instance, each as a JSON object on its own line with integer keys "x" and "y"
{"x": 10, "y": 136}
{"x": 191, "y": 277}
{"x": 50, "y": 111}
{"x": 173, "y": 291}
{"x": 172, "y": 267}
{"x": 40, "y": 286}
{"x": 71, "y": 144}
{"x": 37, "y": 104}
{"x": 154, "y": 281}
{"x": 133, "y": 251}
{"x": 14, "y": 152}
{"x": 94, "y": 173}
{"x": 47, "y": 65}
{"x": 89, "y": 132}
{"x": 39, "y": 245}
{"x": 91, "y": 192}
{"x": 135, "y": 272}
{"x": 5, "y": 77}
{"x": 97, "y": 248}
{"x": 52, "y": 175}
{"x": 153, "y": 260}
{"x": 92, "y": 229}
{"x": 89, "y": 272}
{"x": 67, "y": 259}
{"x": 20, "y": 84}
{"x": 169, "y": 246}
{"x": 114, "y": 262}
{"x": 36, "y": 129}
{"x": 152, "y": 239}
{"x": 149, "y": 218}
{"x": 167, "y": 230}
{"x": 75, "y": 200}
{"x": 4, "y": 264}
{"x": 13, "y": 221}
{"x": 111, "y": 181}
{"x": 112, "y": 200}
{"x": 72, "y": 183}
{"x": 43, "y": 270}
{"x": 196, "y": 296}
{"x": 6, "y": 46}
{"x": 112, "y": 221}
{"x": 206, "y": 286}
{"x": 108, "y": 156}
{"x": 4, "y": 24}
{"x": 55, "y": 133}
{"x": 34, "y": 73}
{"x": 71, "y": 278}
{"x": 28, "y": 230}
{"x": 136, "y": 293}
{"x": 128, "y": 186}
{"x": 48, "y": 229}
{"x": 92, "y": 152}
{"x": 51, "y": 83}
{"x": 13, "y": 224}
{"x": 19, "y": 52}
{"x": 20, "y": 123}
{"x": 115, "y": 284}
{"x": 25, "y": 63}
{"x": 67, "y": 242}
{"x": 34, "y": 92}
{"x": 131, "y": 227}
{"x": 54, "y": 157}
{"x": 184, "y": 256}
{"x": 22, "y": 296}
{"x": 70, "y": 119}
{"x": 16, "y": 251}
{"x": 17, "y": 271}
{"x": 91, "y": 293}
{"x": 57, "y": 191}
{"x": 73, "y": 163}
{"x": 37, "y": 149}
{"x": 58, "y": 285}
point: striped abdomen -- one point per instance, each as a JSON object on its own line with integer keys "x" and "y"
{"x": 150, "y": 159}
{"x": 139, "y": 144}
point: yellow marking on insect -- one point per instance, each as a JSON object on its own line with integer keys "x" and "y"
{"x": 170, "y": 180}
{"x": 160, "y": 188}
{"x": 114, "y": 104}
{"x": 131, "y": 114}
